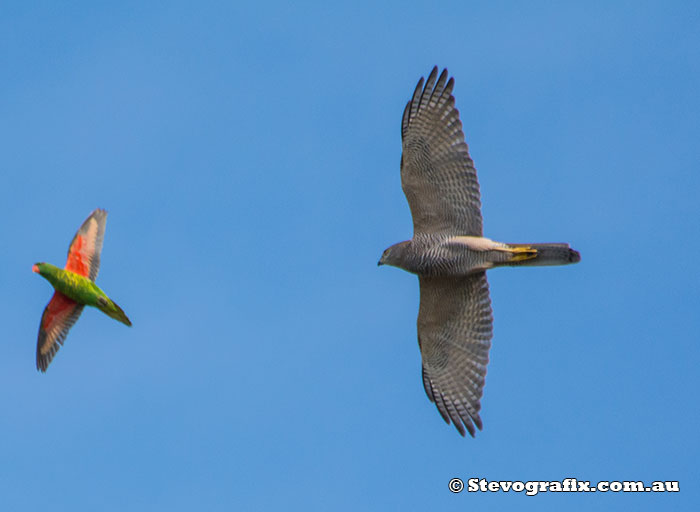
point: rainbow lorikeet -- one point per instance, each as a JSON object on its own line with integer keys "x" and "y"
{"x": 75, "y": 288}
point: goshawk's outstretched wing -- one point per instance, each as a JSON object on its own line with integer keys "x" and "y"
{"x": 455, "y": 326}
{"x": 437, "y": 174}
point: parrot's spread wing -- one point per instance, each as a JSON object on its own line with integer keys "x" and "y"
{"x": 84, "y": 251}
{"x": 59, "y": 316}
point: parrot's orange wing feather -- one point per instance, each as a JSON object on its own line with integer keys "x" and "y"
{"x": 84, "y": 251}
{"x": 59, "y": 316}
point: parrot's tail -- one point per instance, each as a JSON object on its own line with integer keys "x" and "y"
{"x": 110, "y": 308}
{"x": 535, "y": 255}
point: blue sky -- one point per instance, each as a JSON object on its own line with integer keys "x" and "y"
{"x": 248, "y": 157}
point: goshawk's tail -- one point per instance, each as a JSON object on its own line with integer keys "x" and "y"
{"x": 535, "y": 255}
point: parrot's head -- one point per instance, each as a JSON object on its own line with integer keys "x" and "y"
{"x": 45, "y": 269}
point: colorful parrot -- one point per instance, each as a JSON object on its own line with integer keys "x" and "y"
{"x": 75, "y": 288}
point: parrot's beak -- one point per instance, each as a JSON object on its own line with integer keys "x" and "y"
{"x": 35, "y": 268}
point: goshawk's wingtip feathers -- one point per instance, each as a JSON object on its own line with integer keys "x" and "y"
{"x": 432, "y": 91}
{"x": 441, "y": 407}
{"x": 463, "y": 420}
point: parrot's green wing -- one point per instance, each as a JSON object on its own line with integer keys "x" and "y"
{"x": 59, "y": 316}
{"x": 84, "y": 251}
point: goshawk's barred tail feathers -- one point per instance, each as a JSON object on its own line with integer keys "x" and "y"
{"x": 540, "y": 255}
